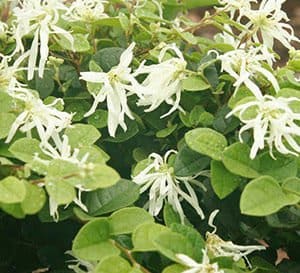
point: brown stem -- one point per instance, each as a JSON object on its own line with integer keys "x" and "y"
{"x": 14, "y": 167}
{"x": 202, "y": 23}
{"x": 5, "y": 13}
{"x": 128, "y": 254}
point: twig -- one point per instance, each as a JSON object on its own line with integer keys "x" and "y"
{"x": 128, "y": 254}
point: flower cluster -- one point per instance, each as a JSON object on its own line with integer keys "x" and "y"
{"x": 273, "y": 121}
{"x": 216, "y": 247}
{"x": 265, "y": 24}
{"x": 220, "y": 248}
{"x": 167, "y": 76}
{"x": 245, "y": 65}
{"x": 120, "y": 82}
{"x": 39, "y": 18}
{"x": 195, "y": 267}
{"x": 164, "y": 185}
{"x": 129, "y": 65}
{"x": 45, "y": 118}
{"x": 249, "y": 64}
{"x": 86, "y": 10}
{"x": 116, "y": 84}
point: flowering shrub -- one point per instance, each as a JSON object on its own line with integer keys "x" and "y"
{"x": 129, "y": 143}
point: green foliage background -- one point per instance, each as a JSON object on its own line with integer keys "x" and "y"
{"x": 258, "y": 199}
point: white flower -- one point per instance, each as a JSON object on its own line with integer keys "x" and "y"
{"x": 53, "y": 206}
{"x": 86, "y": 11}
{"x": 194, "y": 267}
{"x": 164, "y": 185}
{"x": 234, "y": 6}
{"x": 8, "y": 74}
{"x": 89, "y": 267}
{"x": 273, "y": 122}
{"x": 245, "y": 65}
{"x": 45, "y": 118}
{"x": 164, "y": 81}
{"x": 220, "y": 248}
{"x": 63, "y": 151}
{"x": 118, "y": 83}
{"x": 39, "y": 18}
{"x": 267, "y": 21}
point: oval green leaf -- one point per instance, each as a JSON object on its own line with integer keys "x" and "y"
{"x": 262, "y": 196}
{"x": 12, "y": 190}
{"x": 92, "y": 241}
{"x": 126, "y": 220}
{"x": 206, "y": 141}
{"x": 236, "y": 159}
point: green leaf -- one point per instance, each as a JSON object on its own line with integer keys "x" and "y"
{"x": 124, "y": 21}
{"x": 174, "y": 268}
{"x": 263, "y": 266}
{"x": 12, "y": 190}
{"x": 92, "y": 241}
{"x": 82, "y": 135}
{"x": 144, "y": 235}
{"x": 262, "y": 196}
{"x": 120, "y": 195}
{"x": 206, "y": 119}
{"x": 82, "y": 216}
{"x": 81, "y": 43}
{"x": 188, "y": 162}
{"x": 35, "y": 199}
{"x": 241, "y": 94}
{"x": 223, "y": 181}
{"x": 24, "y": 149}
{"x": 224, "y": 124}
{"x": 291, "y": 187}
{"x": 7, "y": 103}
{"x": 194, "y": 83}
{"x": 236, "y": 159}
{"x": 166, "y": 131}
{"x": 98, "y": 119}
{"x": 79, "y": 108}
{"x": 59, "y": 169}
{"x": 92, "y": 176}
{"x": 141, "y": 165}
{"x": 126, "y": 220}
{"x": 109, "y": 57}
{"x": 171, "y": 243}
{"x": 280, "y": 168}
{"x": 44, "y": 85}
{"x": 194, "y": 115}
{"x": 61, "y": 192}
{"x": 170, "y": 215}
{"x": 13, "y": 209}
{"x": 206, "y": 141}
{"x": 95, "y": 154}
{"x": 193, "y": 236}
{"x": 6, "y": 121}
{"x": 108, "y": 21}
{"x": 121, "y": 135}
{"x": 100, "y": 176}
{"x": 191, "y": 39}
{"x": 113, "y": 264}
{"x": 135, "y": 270}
